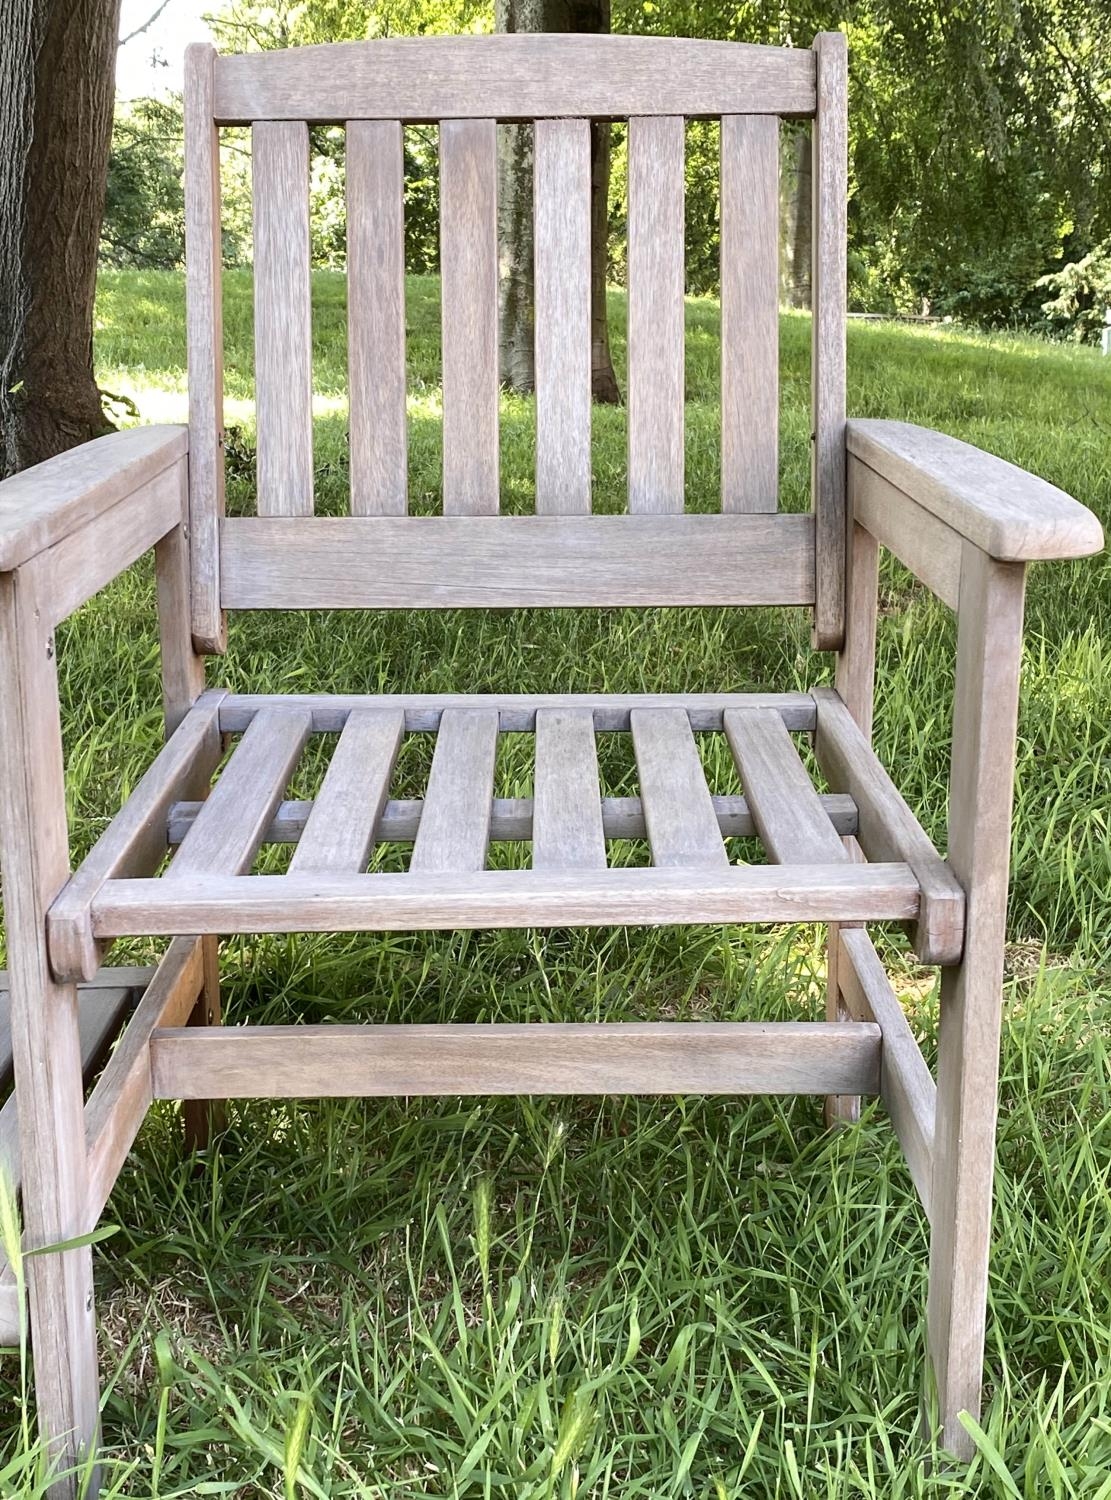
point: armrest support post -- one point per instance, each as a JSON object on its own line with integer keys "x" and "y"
{"x": 985, "y": 719}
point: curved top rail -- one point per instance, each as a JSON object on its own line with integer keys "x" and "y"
{"x": 513, "y": 77}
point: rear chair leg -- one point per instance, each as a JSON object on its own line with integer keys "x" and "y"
{"x": 205, "y": 1118}
{"x": 182, "y": 684}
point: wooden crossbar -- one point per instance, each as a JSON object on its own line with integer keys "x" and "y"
{"x": 485, "y": 561}
{"x": 516, "y": 711}
{"x": 514, "y": 77}
{"x": 504, "y": 898}
{"x": 513, "y": 819}
{"x": 700, "y": 1057}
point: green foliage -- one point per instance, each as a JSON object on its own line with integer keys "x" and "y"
{"x": 144, "y": 210}
{"x": 1082, "y": 295}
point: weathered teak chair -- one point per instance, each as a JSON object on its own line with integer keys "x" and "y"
{"x": 964, "y": 522}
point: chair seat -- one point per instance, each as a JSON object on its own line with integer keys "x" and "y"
{"x": 706, "y": 771}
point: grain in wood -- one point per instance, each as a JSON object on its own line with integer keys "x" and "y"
{"x": 283, "y": 317}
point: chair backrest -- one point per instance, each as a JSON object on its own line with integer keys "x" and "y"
{"x": 379, "y": 556}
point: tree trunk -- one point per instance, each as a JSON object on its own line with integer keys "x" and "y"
{"x": 57, "y": 87}
{"x": 799, "y": 215}
{"x": 515, "y": 232}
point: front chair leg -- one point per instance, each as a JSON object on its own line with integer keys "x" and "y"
{"x": 205, "y": 1118}
{"x": 989, "y": 645}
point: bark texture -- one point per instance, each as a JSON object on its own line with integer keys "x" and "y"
{"x": 57, "y": 87}
{"x": 515, "y": 233}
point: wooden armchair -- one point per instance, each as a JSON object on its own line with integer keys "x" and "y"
{"x": 964, "y": 522}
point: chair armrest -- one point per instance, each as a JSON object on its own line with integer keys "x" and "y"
{"x": 1011, "y": 515}
{"x": 44, "y": 505}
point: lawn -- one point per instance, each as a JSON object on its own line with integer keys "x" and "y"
{"x": 625, "y": 1298}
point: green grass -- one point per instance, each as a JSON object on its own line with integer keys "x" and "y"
{"x": 679, "y": 1297}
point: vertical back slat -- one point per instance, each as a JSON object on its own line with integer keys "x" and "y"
{"x": 469, "y": 296}
{"x": 205, "y": 346}
{"x": 749, "y": 312}
{"x": 656, "y": 286}
{"x": 828, "y": 338}
{"x": 283, "y": 317}
{"x": 562, "y": 302}
{"x": 376, "y": 318}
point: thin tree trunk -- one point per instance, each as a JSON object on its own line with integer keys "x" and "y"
{"x": 515, "y": 231}
{"x": 57, "y": 87}
{"x": 799, "y": 215}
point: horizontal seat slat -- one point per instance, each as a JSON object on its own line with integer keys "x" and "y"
{"x": 567, "y": 829}
{"x": 231, "y": 823}
{"x": 459, "y": 562}
{"x": 511, "y": 898}
{"x": 513, "y": 818}
{"x": 339, "y": 832}
{"x": 632, "y": 1057}
{"x": 455, "y": 823}
{"x": 789, "y": 818}
{"x": 682, "y": 826}
{"x": 514, "y": 77}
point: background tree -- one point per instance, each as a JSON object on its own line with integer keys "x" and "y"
{"x": 515, "y": 236}
{"x": 57, "y": 88}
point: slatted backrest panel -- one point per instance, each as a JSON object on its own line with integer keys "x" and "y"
{"x": 465, "y": 86}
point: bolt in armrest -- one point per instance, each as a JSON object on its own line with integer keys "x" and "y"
{"x": 46, "y": 504}
{"x": 1011, "y": 515}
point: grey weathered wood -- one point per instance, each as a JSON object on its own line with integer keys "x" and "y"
{"x": 339, "y": 833}
{"x": 204, "y": 340}
{"x": 856, "y": 661}
{"x": 513, "y": 818}
{"x": 182, "y": 667}
{"x": 452, "y": 562}
{"x": 513, "y": 77}
{"x": 1008, "y": 513}
{"x": 567, "y": 830}
{"x": 48, "y": 502}
{"x": 827, "y": 376}
{"x": 376, "y": 318}
{"x": 230, "y": 825}
{"x": 283, "y": 318}
{"x": 99, "y": 1012}
{"x": 99, "y": 1016}
{"x": 122, "y": 1094}
{"x": 906, "y": 1087}
{"x": 682, "y": 826}
{"x": 855, "y": 681}
{"x": 749, "y": 313}
{"x": 656, "y": 278}
{"x": 455, "y": 823}
{"x": 135, "y": 840}
{"x": 80, "y": 565}
{"x": 790, "y": 819}
{"x": 562, "y": 316}
{"x": 506, "y": 898}
{"x": 11, "y": 1307}
{"x": 45, "y": 1030}
{"x": 469, "y": 303}
{"x": 985, "y": 714}
{"x": 922, "y": 543}
{"x": 202, "y": 1118}
{"x": 516, "y": 711}
{"x": 889, "y": 830}
{"x": 632, "y": 1057}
